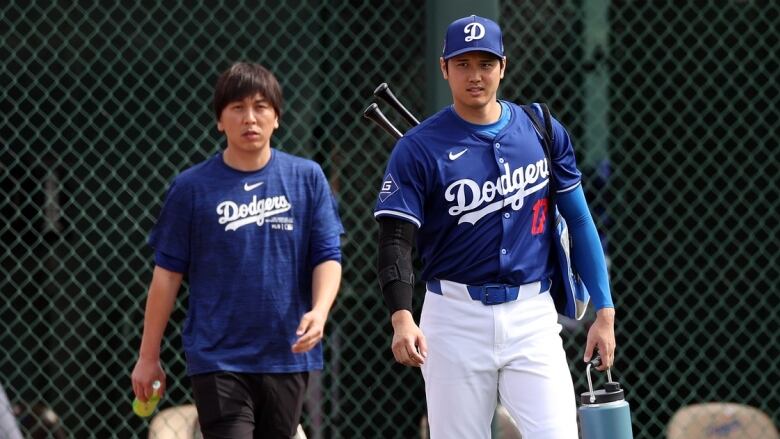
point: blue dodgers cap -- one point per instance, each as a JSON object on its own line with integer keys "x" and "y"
{"x": 473, "y": 33}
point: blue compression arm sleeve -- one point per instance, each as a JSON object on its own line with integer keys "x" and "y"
{"x": 587, "y": 254}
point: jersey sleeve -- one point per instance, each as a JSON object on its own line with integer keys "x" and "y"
{"x": 401, "y": 194}
{"x": 326, "y": 226}
{"x": 171, "y": 233}
{"x": 564, "y": 163}
{"x": 170, "y": 263}
{"x": 567, "y": 175}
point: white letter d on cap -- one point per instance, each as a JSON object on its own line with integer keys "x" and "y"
{"x": 475, "y": 30}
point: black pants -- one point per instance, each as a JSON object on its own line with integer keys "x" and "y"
{"x": 249, "y": 406}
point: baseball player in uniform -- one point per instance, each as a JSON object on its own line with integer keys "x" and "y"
{"x": 470, "y": 186}
{"x": 257, "y": 233}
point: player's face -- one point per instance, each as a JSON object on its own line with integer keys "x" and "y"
{"x": 474, "y": 78}
{"x": 248, "y": 123}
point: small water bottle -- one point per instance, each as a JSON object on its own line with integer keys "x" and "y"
{"x": 145, "y": 409}
{"x": 604, "y": 413}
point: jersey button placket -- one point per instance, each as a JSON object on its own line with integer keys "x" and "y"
{"x": 506, "y": 226}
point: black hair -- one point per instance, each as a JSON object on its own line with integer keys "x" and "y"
{"x": 242, "y": 80}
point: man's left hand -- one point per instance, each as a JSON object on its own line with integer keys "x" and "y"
{"x": 601, "y": 337}
{"x": 309, "y": 332}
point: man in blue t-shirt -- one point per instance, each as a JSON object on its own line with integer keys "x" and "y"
{"x": 470, "y": 187}
{"x": 256, "y": 232}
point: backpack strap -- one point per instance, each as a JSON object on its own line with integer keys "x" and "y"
{"x": 545, "y": 131}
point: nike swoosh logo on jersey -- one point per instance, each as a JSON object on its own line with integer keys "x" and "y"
{"x": 455, "y": 156}
{"x": 248, "y": 187}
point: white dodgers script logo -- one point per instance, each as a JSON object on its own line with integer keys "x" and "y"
{"x": 238, "y": 215}
{"x": 475, "y": 30}
{"x": 474, "y": 202}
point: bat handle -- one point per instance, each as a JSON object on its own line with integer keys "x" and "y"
{"x": 383, "y": 92}
{"x": 375, "y": 114}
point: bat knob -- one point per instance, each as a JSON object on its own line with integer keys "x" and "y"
{"x": 380, "y": 89}
{"x": 370, "y": 110}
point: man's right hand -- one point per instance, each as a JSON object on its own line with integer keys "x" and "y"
{"x": 146, "y": 372}
{"x": 409, "y": 346}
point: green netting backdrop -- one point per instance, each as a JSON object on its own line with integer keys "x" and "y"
{"x": 672, "y": 105}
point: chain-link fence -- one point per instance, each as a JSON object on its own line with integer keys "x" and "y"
{"x": 673, "y": 106}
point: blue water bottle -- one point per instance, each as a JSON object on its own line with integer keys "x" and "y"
{"x": 604, "y": 413}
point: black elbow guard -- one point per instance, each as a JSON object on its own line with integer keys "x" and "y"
{"x": 394, "y": 263}
{"x": 397, "y": 288}
{"x": 400, "y": 271}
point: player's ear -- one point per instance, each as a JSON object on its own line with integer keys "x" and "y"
{"x": 443, "y": 67}
{"x": 220, "y": 128}
{"x": 276, "y": 122}
{"x": 503, "y": 67}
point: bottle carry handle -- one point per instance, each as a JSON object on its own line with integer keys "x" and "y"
{"x": 595, "y": 362}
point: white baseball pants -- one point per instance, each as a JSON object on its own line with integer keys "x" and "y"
{"x": 479, "y": 354}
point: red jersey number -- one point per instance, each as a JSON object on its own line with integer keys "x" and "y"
{"x": 540, "y": 216}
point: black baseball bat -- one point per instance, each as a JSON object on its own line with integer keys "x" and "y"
{"x": 375, "y": 114}
{"x": 383, "y": 92}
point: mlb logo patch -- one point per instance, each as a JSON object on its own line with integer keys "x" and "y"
{"x": 388, "y": 188}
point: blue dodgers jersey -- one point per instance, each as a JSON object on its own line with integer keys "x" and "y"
{"x": 480, "y": 202}
{"x": 247, "y": 239}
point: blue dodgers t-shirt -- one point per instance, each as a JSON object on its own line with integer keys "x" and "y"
{"x": 479, "y": 199}
{"x": 248, "y": 242}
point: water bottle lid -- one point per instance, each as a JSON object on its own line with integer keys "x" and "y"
{"x": 610, "y": 393}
